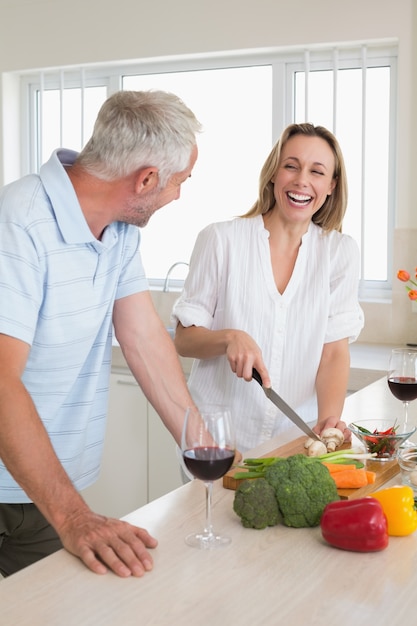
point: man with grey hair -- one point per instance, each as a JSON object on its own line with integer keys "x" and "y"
{"x": 70, "y": 269}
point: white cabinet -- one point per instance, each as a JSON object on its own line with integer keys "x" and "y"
{"x": 139, "y": 459}
{"x": 122, "y": 483}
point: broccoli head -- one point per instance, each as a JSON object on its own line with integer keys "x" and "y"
{"x": 256, "y": 505}
{"x": 303, "y": 487}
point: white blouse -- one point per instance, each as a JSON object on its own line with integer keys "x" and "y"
{"x": 230, "y": 284}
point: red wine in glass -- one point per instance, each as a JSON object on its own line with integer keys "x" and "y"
{"x": 404, "y": 388}
{"x": 402, "y": 379}
{"x": 208, "y": 463}
{"x": 208, "y": 450}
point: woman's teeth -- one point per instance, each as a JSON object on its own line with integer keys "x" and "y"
{"x": 299, "y": 198}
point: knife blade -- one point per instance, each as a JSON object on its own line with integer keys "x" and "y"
{"x": 284, "y": 407}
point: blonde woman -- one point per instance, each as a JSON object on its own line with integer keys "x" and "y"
{"x": 277, "y": 289}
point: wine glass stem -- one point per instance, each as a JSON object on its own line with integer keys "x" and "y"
{"x": 208, "y": 530}
{"x": 405, "y": 415}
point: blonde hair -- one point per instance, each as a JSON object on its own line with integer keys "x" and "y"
{"x": 331, "y": 213}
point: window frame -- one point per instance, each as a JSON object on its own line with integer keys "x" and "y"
{"x": 377, "y": 56}
{"x": 284, "y": 62}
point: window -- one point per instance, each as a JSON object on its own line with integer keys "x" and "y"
{"x": 236, "y": 137}
{"x": 244, "y": 102}
{"x": 360, "y": 108}
{"x": 66, "y": 118}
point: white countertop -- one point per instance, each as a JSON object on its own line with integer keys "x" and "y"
{"x": 371, "y": 356}
{"x": 274, "y": 576}
{"x": 363, "y": 356}
{"x": 368, "y": 363}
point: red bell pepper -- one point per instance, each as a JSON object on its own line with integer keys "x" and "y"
{"x": 358, "y": 525}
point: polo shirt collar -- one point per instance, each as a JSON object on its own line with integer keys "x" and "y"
{"x": 69, "y": 216}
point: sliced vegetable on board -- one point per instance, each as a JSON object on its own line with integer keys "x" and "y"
{"x": 350, "y": 474}
{"x": 255, "y": 467}
{"x": 338, "y": 467}
{"x": 352, "y": 477}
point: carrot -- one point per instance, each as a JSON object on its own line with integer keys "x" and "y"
{"x": 350, "y": 479}
{"x": 338, "y": 467}
{"x": 349, "y": 476}
{"x": 371, "y": 476}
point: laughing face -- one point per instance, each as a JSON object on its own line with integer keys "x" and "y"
{"x": 304, "y": 178}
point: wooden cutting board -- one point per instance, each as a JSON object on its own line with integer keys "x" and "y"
{"x": 384, "y": 470}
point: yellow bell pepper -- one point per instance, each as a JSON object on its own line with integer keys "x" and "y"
{"x": 398, "y": 505}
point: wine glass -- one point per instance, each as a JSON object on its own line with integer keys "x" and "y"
{"x": 402, "y": 377}
{"x": 208, "y": 450}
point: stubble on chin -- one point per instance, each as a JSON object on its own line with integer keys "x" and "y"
{"x": 139, "y": 212}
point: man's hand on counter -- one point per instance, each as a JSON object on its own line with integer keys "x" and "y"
{"x": 104, "y": 543}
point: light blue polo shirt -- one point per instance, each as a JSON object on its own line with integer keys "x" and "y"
{"x": 57, "y": 288}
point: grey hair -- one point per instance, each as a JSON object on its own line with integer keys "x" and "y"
{"x": 138, "y": 129}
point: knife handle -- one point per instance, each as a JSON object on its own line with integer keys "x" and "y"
{"x": 256, "y": 376}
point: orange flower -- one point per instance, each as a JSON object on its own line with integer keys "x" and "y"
{"x": 403, "y": 275}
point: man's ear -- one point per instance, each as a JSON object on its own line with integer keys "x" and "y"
{"x": 146, "y": 179}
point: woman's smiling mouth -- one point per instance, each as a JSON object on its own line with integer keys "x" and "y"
{"x": 299, "y": 198}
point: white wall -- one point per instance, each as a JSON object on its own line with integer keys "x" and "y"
{"x": 39, "y": 33}
{"x": 49, "y": 32}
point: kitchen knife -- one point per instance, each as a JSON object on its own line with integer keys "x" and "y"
{"x": 284, "y": 407}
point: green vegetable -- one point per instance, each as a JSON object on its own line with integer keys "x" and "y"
{"x": 380, "y": 442}
{"x": 340, "y": 456}
{"x": 345, "y": 461}
{"x": 256, "y": 467}
{"x": 256, "y": 505}
{"x": 302, "y": 488}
